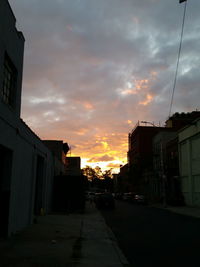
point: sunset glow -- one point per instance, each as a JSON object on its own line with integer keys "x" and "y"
{"x": 93, "y": 69}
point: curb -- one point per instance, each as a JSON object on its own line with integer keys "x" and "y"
{"x": 123, "y": 260}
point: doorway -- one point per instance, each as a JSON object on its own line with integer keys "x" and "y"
{"x": 6, "y": 156}
{"x": 39, "y": 185}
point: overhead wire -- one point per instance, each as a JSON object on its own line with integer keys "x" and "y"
{"x": 178, "y": 59}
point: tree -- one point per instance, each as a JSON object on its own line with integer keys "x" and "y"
{"x": 98, "y": 172}
{"x": 107, "y": 174}
{"x": 89, "y": 172}
{"x": 98, "y": 178}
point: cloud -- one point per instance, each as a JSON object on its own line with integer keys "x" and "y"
{"x": 113, "y": 165}
{"x": 148, "y": 99}
{"x": 101, "y": 158}
{"x": 93, "y": 68}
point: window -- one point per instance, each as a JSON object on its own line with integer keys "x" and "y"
{"x": 9, "y": 81}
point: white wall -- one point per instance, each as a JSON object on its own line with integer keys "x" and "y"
{"x": 26, "y": 146}
{"x": 189, "y": 158}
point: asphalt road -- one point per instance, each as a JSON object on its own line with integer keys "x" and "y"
{"x": 155, "y": 237}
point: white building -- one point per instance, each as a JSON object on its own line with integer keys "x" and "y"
{"x": 189, "y": 162}
{"x": 26, "y": 169}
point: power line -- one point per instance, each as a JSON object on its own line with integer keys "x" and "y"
{"x": 178, "y": 59}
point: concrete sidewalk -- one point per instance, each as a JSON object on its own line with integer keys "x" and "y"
{"x": 64, "y": 240}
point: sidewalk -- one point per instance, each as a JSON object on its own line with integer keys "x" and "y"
{"x": 184, "y": 210}
{"x": 62, "y": 241}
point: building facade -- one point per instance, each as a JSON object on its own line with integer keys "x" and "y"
{"x": 73, "y": 166}
{"x": 140, "y": 159}
{"x": 26, "y": 164}
{"x": 59, "y": 150}
{"x": 167, "y": 183}
{"x": 160, "y": 182}
{"x": 189, "y": 162}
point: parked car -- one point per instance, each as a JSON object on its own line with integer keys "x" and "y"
{"x": 118, "y": 196}
{"x": 128, "y": 196}
{"x": 104, "y": 200}
{"x": 139, "y": 199}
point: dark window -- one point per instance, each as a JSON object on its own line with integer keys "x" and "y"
{"x": 9, "y": 81}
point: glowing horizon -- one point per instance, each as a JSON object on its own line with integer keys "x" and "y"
{"x": 92, "y": 69}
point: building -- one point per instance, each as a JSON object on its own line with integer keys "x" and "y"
{"x": 73, "y": 165}
{"x": 161, "y": 162}
{"x": 122, "y": 181}
{"x": 180, "y": 120}
{"x": 59, "y": 150}
{"x": 26, "y": 164}
{"x": 69, "y": 188}
{"x": 189, "y": 162}
{"x": 153, "y": 158}
{"x": 140, "y": 160}
{"x": 166, "y": 182}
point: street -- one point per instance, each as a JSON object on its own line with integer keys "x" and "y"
{"x": 151, "y": 236}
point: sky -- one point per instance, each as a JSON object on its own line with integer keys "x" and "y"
{"x": 94, "y": 68}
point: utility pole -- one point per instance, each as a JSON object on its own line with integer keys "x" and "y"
{"x": 178, "y": 58}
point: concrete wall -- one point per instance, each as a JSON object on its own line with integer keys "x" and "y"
{"x": 189, "y": 160}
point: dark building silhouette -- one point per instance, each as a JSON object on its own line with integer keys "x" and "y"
{"x": 153, "y": 157}
{"x": 140, "y": 158}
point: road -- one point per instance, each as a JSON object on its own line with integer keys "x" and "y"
{"x": 151, "y": 236}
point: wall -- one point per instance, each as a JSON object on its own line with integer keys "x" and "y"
{"x": 26, "y": 164}
{"x": 56, "y": 147}
{"x": 73, "y": 166}
{"x": 26, "y": 147}
{"x": 12, "y": 43}
{"x": 189, "y": 161}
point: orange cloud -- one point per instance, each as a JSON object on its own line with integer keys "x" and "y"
{"x": 101, "y": 158}
{"x": 129, "y": 92}
{"x": 105, "y": 145}
{"x": 154, "y": 74}
{"x": 148, "y": 100}
{"x": 113, "y": 165}
{"x": 135, "y": 86}
{"x": 113, "y": 145}
{"x": 81, "y": 131}
{"x": 88, "y": 106}
{"x": 141, "y": 84}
